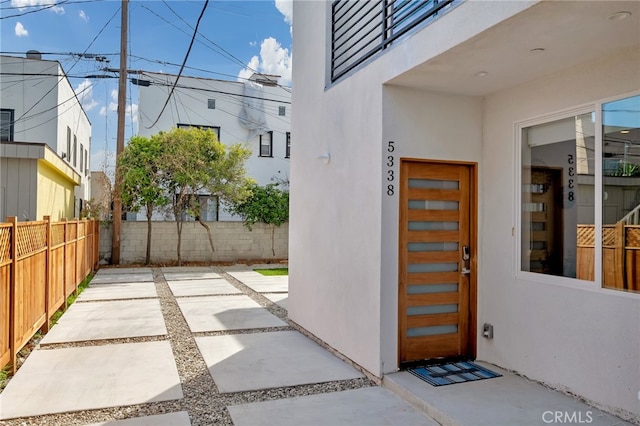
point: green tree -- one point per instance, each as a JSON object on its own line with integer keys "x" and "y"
{"x": 142, "y": 173}
{"x": 195, "y": 162}
{"x": 267, "y": 204}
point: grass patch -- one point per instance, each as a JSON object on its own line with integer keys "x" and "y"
{"x": 72, "y": 298}
{"x": 273, "y": 271}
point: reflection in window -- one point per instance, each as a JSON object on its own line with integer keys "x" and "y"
{"x": 557, "y": 208}
{"x": 621, "y": 194}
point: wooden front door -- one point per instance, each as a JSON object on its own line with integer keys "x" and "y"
{"x": 437, "y": 264}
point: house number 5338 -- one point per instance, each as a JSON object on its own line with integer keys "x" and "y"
{"x": 390, "y": 163}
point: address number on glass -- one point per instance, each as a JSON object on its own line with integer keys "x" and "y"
{"x": 571, "y": 171}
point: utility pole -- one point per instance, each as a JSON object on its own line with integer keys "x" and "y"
{"x": 122, "y": 105}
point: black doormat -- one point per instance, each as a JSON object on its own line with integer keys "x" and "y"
{"x": 452, "y": 372}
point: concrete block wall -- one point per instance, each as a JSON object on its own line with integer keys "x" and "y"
{"x": 232, "y": 241}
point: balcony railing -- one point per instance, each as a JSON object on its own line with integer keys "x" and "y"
{"x": 360, "y": 29}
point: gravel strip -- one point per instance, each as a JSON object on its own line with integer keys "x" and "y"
{"x": 202, "y": 400}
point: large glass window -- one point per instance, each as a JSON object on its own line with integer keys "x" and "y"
{"x": 621, "y": 194}
{"x": 557, "y": 198}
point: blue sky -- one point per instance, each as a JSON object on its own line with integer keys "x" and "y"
{"x": 255, "y": 33}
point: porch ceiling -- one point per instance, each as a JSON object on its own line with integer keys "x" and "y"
{"x": 570, "y": 32}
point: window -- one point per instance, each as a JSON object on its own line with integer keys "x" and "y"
{"x": 215, "y": 129}
{"x": 68, "y": 153}
{"x": 75, "y": 150}
{"x": 6, "y": 125}
{"x": 621, "y": 194}
{"x": 211, "y": 103}
{"x": 288, "y": 152}
{"x": 282, "y": 110}
{"x": 208, "y": 207}
{"x": 557, "y": 194}
{"x": 86, "y": 162}
{"x": 81, "y": 158}
{"x": 577, "y": 219}
{"x": 266, "y": 145}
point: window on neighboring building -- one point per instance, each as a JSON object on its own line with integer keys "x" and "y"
{"x": 6, "y": 124}
{"x": 282, "y": 110}
{"x": 86, "y": 162}
{"x": 288, "y": 152}
{"x": 266, "y": 144}
{"x": 68, "y": 153}
{"x": 75, "y": 150}
{"x": 211, "y": 103}
{"x": 215, "y": 129}
{"x": 81, "y": 158}
{"x": 578, "y": 220}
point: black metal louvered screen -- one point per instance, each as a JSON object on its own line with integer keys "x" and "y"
{"x": 362, "y": 28}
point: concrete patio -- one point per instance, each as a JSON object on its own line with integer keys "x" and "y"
{"x": 181, "y": 346}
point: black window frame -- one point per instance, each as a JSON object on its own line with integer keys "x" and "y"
{"x": 288, "y": 146}
{"x": 216, "y": 129}
{"x": 261, "y": 144}
{"x": 10, "y": 129}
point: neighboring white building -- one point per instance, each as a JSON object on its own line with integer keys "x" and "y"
{"x": 256, "y": 113}
{"x": 39, "y": 106}
{"x": 501, "y": 126}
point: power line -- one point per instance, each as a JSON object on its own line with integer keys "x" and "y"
{"x": 49, "y": 6}
{"x": 184, "y": 62}
{"x": 220, "y": 50}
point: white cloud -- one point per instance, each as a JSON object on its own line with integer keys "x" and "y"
{"x": 286, "y": 8}
{"x": 84, "y": 92}
{"x": 38, "y": 3}
{"x": 83, "y": 16}
{"x": 131, "y": 109}
{"x": 20, "y": 30}
{"x": 253, "y": 43}
{"x": 274, "y": 59}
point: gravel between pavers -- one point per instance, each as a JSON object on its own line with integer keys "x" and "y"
{"x": 203, "y": 402}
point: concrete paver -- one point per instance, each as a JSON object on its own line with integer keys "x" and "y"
{"x": 204, "y": 287}
{"x": 245, "y": 362}
{"x": 196, "y": 275}
{"x": 108, "y": 320}
{"x": 118, "y": 271}
{"x": 121, "y": 278}
{"x": 506, "y": 400}
{"x": 180, "y": 418}
{"x": 278, "y": 298}
{"x": 166, "y": 269}
{"x": 262, "y": 283}
{"x": 368, "y": 406}
{"x": 115, "y": 291}
{"x": 74, "y": 379}
{"x": 216, "y": 313}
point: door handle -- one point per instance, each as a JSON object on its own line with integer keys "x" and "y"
{"x": 466, "y": 256}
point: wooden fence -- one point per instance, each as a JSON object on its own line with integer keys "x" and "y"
{"x": 620, "y": 255}
{"x": 41, "y": 264}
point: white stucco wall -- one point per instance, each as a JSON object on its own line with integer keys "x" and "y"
{"x": 189, "y": 106}
{"x": 553, "y": 330}
{"x": 344, "y": 284}
{"x": 43, "y": 108}
{"x": 344, "y": 228}
{"x": 423, "y": 125}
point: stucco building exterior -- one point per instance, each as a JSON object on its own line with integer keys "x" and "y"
{"x": 471, "y": 163}
{"x": 45, "y": 141}
{"x": 256, "y": 113}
